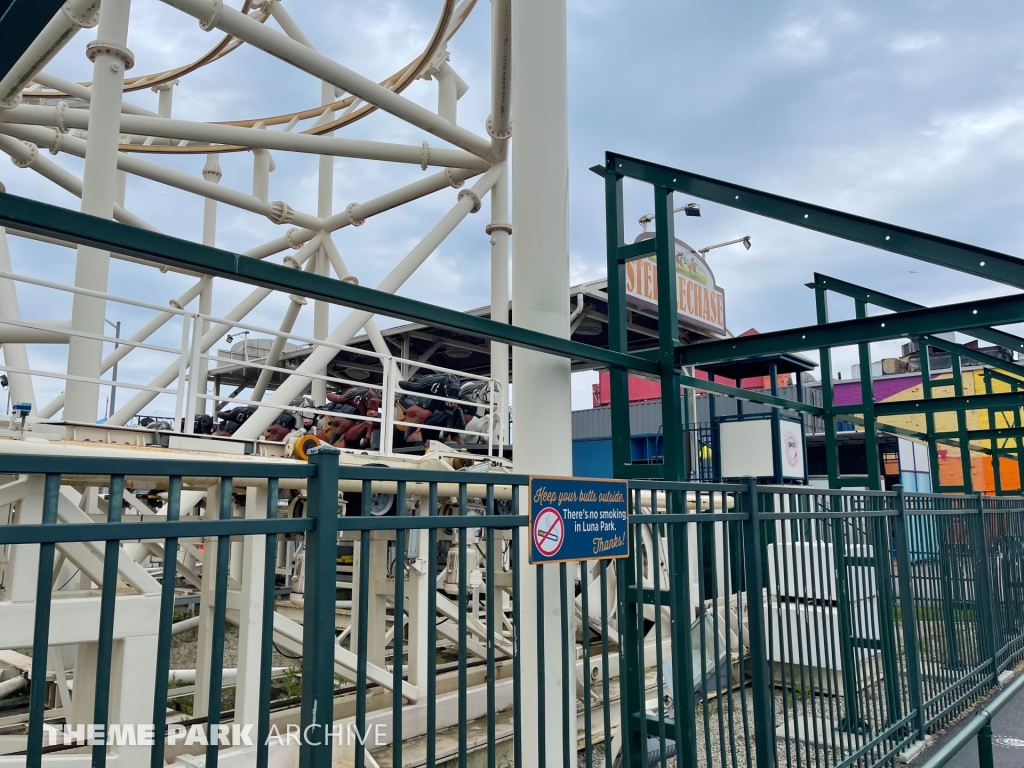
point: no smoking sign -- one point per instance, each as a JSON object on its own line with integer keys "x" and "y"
{"x": 575, "y": 519}
{"x": 549, "y": 532}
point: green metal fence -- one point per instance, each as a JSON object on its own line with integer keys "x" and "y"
{"x": 752, "y": 625}
{"x": 813, "y": 627}
{"x": 321, "y": 526}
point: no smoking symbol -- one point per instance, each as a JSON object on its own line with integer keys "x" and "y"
{"x": 548, "y": 531}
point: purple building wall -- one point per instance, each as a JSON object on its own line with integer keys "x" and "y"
{"x": 848, "y": 392}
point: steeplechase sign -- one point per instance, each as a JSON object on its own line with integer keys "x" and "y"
{"x": 574, "y": 518}
{"x": 701, "y": 302}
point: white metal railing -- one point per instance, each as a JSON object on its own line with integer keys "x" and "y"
{"x": 188, "y": 391}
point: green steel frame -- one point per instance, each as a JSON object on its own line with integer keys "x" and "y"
{"x": 905, "y": 319}
{"x": 20, "y": 22}
{"x": 996, "y": 368}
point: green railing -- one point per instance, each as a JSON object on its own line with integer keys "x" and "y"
{"x": 752, "y": 625}
{"x": 112, "y": 474}
{"x": 322, "y": 527}
{"x": 818, "y": 628}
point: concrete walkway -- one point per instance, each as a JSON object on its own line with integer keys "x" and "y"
{"x": 1007, "y": 740}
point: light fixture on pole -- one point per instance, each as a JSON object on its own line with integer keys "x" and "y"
{"x": 113, "y": 376}
{"x": 745, "y": 240}
{"x": 245, "y": 346}
{"x": 690, "y": 209}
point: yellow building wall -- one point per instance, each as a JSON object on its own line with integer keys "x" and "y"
{"x": 982, "y": 470}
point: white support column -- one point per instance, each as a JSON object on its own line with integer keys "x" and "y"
{"x": 111, "y": 58}
{"x": 262, "y": 165}
{"x": 15, "y": 355}
{"x": 447, "y": 96}
{"x": 250, "y": 618}
{"x": 324, "y": 206}
{"x": 540, "y": 290}
{"x": 131, "y": 689}
{"x": 212, "y": 174}
{"x": 166, "y": 95}
{"x": 207, "y": 598}
{"x": 277, "y": 346}
{"x": 421, "y": 581}
{"x": 500, "y": 229}
{"x": 23, "y": 560}
{"x": 377, "y": 593}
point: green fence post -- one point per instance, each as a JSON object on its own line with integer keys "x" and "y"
{"x": 851, "y": 722}
{"x": 867, "y": 398}
{"x": 985, "y": 757}
{"x": 617, "y": 333}
{"x": 983, "y": 592}
{"x": 761, "y": 686}
{"x": 631, "y": 674}
{"x": 887, "y": 602}
{"x": 827, "y": 395}
{"x": 908, "y": 612}
{"x": 944, "y": 529}
{"x": 108, "y": 605}
{"x": 681, "y": 632}
{"x": 318, "y": 613}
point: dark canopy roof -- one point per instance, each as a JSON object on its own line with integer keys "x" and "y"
{"x": 751, "y": 367}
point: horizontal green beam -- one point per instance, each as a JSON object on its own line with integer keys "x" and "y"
{"x": 917, "y": 322}
{"x": 692, "y": 382}
{"x": 20, "y": 23}
{"x": 55, "y": 533}
{"x": 896, "y": 304}
{"x": 962, "y": 257}
{"x": 53, "y": 221}
{"x": 40, "y": 464}
{"x": 1014, "y": 370}
{"x": 918, "y": 435}
{"x": 985, "y": 434}
{"x": 642, "y": 471}
{"x": 998, "y": 400}
{"x": 636, "y": 250}
{"x": 1013, "y": 381}
{"x": 745, "y": 394}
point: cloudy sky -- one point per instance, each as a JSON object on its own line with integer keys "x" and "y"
{"x": 908, "y": 112}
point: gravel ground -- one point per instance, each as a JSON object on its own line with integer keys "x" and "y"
{"x": 185, "y": 646}
{"x": 723, "y": 729}
{"x": 184, "y": 649}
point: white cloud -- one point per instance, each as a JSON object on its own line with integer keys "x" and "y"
{"x": 912, "y": 43}
{"x": 802, "y": 40}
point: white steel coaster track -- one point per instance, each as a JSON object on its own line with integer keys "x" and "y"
{"x": 91, "y": 120}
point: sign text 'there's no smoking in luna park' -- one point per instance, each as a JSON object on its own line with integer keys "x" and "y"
{"x": 577, "y": 519}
